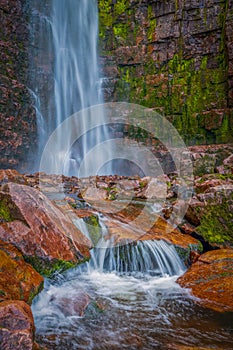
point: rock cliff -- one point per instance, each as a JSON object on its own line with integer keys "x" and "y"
{"x": 174, "y": 56}
{"x": 17, "y": 116}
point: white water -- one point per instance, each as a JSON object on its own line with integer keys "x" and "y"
{"x": 139, "y": 258}
{"x": 142, "y": 305}
{"x": 141, "y": 310}
{"x": 66, "y": 33}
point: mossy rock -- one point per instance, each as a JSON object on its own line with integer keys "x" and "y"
{"x": 18, "y": 280}
{"x": 48, "y": 268}
{"x": 94, "y": 228}
{"x": 217, "y": 223}
{"x": 5, "y": 213}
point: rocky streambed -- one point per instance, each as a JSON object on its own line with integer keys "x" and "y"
{"x": 41, "y": 234}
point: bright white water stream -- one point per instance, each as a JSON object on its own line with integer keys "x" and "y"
{"x": 66, "y": 80}
{"x": 140, "y": 304}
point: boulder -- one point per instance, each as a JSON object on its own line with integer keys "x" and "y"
{"x": 94, "y": 194}
{"x": 18, "y": 280}
{"x": 211, "y": 279}
{"x": 16, "y": 326}
{"x": 74, "y": 304}
{"x": 47, "y": 238}
{"x": 156, "y": 188}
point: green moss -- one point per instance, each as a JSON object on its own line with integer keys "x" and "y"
{"x": 151, "y": 29}
{"x": 106, "y": 19}
{"x": 5, "y": 213}
{"x": 2, "y": 293}
{"x": 35, "y": 292}
{"x": 217, "y": 223}
{"x": 94, "y": 228}
{"x": 189, "y": 87}
{"x": 120, "y": 30}
{"x": 120, "y": 6}
{"x": 48, "y": 267}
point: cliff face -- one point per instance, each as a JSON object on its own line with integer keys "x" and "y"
{"x": 17, "y": 117}
{"x": 175, "y": 56}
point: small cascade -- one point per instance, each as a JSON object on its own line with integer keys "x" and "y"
{"x": 138, "y": 258}
{"x": 154, "y": 258}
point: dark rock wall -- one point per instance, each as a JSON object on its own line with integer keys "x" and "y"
{"x": 17, "y": 116}
{"x": 175, "y": 56}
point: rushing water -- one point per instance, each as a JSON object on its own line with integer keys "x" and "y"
{"x": 138, "y": 308}
{"x": 66, "y": 80}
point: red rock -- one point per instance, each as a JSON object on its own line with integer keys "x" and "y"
{"x": 128, "y": 184}
{"x": 91, "y": 194}
{"x": 194, "y": 211}
{"x": 193, "y": 256}
{"x": 11, "y": 176}
{"x": 18, "y": 280}
{"x": 202, "y": 187}
{"x": 49, "y": 240}
{"x": 228, "y": 162}
{"x": 155, "y": 189}
{"x": 129, "y": 225}
{"x": 16, "y": 326}
{"x": 72, "y": 305}
{"x": 211, "y": 279}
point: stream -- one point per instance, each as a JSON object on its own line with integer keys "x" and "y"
{"x": 131, "y": 309}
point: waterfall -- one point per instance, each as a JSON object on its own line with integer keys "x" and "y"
{"x": 138, "y": 258}
{"x": 65, "y": 79}
{"x": 154, "y": 258}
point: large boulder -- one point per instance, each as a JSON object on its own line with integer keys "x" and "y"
{"x": 211, "y": 279}
{"x": 47, "y": 238}
{"x": 18, "y": 280}
{"x": 211, "y": 209}
{"x": 16, "y": 326}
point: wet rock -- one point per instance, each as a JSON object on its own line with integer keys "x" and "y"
{"x": 18, "y": 280}
{"x": 16, "y": 326}
{"x": 194, "y": 211}
{"x": 183, "y": 243}
{"x": 211, "y": 279}
{"x": 135, "y": 223}
{"x": 155, "y": 189}
{"x": 72, "y": 305}
{"x": 46, "y": 237}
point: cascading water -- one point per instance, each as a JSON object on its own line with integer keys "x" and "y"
{"x": 133, "y": 303}
{"x": 66, "y": 80}
{"x": 155, "y": 258}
